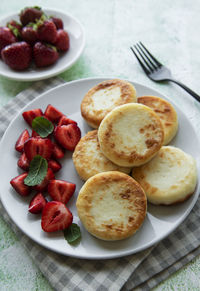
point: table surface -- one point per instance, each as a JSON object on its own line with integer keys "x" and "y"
{"x": 168, "y": 28}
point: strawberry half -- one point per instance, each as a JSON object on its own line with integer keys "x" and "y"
{"x": 55, "y": 216}
{"x": 52, "y": 113}
{"x": 54, "y": 165}
{"x": 37, "y": 204}
{"x": 23, "y": 162}
{"x": 62, "y": 40}
{"x": 24, "y": 136}
{"x": 43, "y": 185}
{"x": 18, "y": 184}
{"x": 17, "y": 55}
{"x": 31, "y": 114}
{"x": 64, "y": 120}
{"x": 38, "y": 146}
{"x": 58, "y": 152}
{"x": 67, "y": 136}
{"x": 60, "y": 190}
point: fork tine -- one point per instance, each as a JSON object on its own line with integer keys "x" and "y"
{"x": 147, "y": 64}
{"x": 155, "y": 60}
{"x": 141, "y": 63}
{"x": 141, "y": 48}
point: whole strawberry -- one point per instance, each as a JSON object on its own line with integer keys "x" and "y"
{"x": 29, "y": 34}
{"x": 58, "y": 22}
{"x": 62, "y": 41}
{"x": 6, "y": 37}
{"x": 30, "y": 14}
{"x": 15, "y": 27}
{"x": 47, "y": 31}
{"x": 44, "y": 55}
{"x": 17, "y": 55}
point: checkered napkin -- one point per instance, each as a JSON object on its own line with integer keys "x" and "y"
{"x": 141, "y": 271}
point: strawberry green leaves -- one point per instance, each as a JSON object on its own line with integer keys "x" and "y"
{"x": 72, "y": 234}
{"x": 42, "y": 126}
{"x": 37, "y": 171}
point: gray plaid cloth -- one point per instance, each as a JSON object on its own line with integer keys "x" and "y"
{"x": 141, "y": 271}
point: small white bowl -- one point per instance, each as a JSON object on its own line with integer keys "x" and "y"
{"x": 65, "y": 61}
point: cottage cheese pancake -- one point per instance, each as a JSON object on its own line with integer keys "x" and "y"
{"x": 130, "y": 135}
{"x": 166, "y": 112}
{"x": 170, "y": 177}
{"x": 89, "y": 160}
{"x": 105, "y": 96}
{"x": 111, "y": 205}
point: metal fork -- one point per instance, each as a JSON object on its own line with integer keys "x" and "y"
{"x": 155, "y": 70}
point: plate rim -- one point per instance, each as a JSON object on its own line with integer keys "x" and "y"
{"x": 58, "y": 71}
{"x": 107, "y": 256}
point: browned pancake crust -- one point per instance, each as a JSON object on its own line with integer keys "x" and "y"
{"x": 94, "y": 118}
{"x": 128, "y": 194}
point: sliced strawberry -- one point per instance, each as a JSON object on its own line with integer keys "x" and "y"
{"x": 23, "y": 162}
{"x": 19, "y": 186}
{"x": 31, "y": 114}
{"x": 38, "y": 146}
{"x": 60, "y": 190}
{"x": 67, "y": 136}
{"x": 24, "y": 136}
{"x": 64, "y": 120}
{"x": 43, "y": 185}
{"x": 58, "y": 152}
{"x": 54, "y": 165}
{"x": 53, "y": 113}
{"x": 37, "y": 204}
{"x": 55, "y": 216}
{"x": 34, "y": 133}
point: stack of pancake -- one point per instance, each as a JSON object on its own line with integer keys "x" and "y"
{"x": 126, "y": 160}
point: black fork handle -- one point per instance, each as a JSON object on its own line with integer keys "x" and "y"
{"x": 195, "y": 95}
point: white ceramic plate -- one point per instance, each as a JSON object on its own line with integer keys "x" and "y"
{"x": 160, "y": 220}
{"x": 65, "y": 61}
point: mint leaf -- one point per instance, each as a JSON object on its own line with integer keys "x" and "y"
{"x": 37, "y": 171}
{"x": 72, "y": 233}
{"x": 42, "y": 126}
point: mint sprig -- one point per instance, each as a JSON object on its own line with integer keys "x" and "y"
{"x": 42, "y": 126}
{"x": 37, "y": 171}
{"x": 72, "y": 234}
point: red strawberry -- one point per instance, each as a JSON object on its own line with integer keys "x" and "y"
{"x": 6, "y": 37}
{"x": 31, "y": 114}
{"x": 58, "y": 22}
{"x": 29, "y": 35}
{"x": 37, "y": 203}
{"x": 30, "y": 14}
{"x": 54, "y": 165}
{"x": 53, "y": 113}
{"x": 58, "y": 152}
{"x": 62, "y": 40}
{"x": 38, "y": 146}
{"x": 19, "y": 186}
{"x": 44, "y": 55}
{"x": 17, "y": 55}
{"x": 23, "y": 162}
{"x": 43, "y": 185}
{"x": 60, "y": 190}
{"x": 24, "y": 136}
{"x": 15, "y": 24}
{"x": 64, "y": 120}
{"x": 55, "y": 216}
{"x": 47, "y": 31}
{"x": 67, "y": 135}
{"x": 34, "y": 133}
